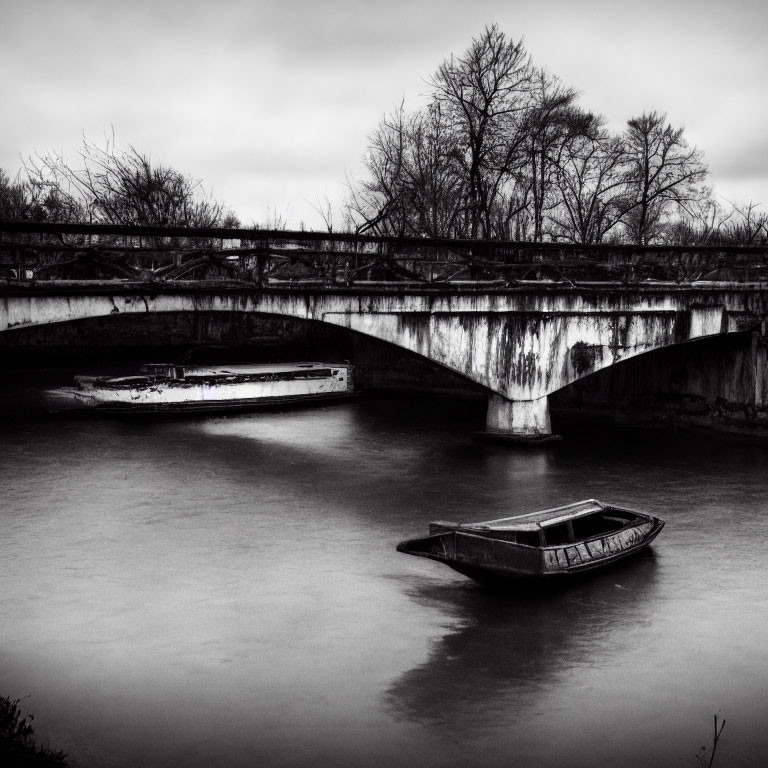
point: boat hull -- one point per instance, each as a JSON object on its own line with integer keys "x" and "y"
{"x": 492, "y": 560}
{"x": 204, "y": 406}
{"x": 209, "y": 389}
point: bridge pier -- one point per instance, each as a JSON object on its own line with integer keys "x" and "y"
{"x": 518, "y": 420}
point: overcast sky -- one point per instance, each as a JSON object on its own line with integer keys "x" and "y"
{"x": 271, "y": 103}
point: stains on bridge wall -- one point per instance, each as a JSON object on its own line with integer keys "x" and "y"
{"x": 584, "y": 358}
{"x": 521, "y": 356}
{"x": 706, "y": 321}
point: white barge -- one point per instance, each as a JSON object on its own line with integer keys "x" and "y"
{"x": 179, "y": 388}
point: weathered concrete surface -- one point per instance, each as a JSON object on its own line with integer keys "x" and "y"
{"x": 719, "y": 383}
{"x": 522, "y": 344}
{"x": 518, "y": 417}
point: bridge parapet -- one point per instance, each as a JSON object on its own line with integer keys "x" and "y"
{"x": 276, "y": 258}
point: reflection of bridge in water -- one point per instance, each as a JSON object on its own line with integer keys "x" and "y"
{"x": 521, "y": 319}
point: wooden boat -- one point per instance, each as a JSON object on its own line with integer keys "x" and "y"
{"x": 181, "y": 388}
{"x": 552, "y": 543}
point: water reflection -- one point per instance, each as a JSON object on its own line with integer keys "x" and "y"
{"x": 504, "y": 648}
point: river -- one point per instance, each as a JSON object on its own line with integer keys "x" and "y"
{"x": 226, "y": 592}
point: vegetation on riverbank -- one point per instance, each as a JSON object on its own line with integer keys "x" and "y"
{"x": 18, "y": 747}
{"x": 707, "y": 759}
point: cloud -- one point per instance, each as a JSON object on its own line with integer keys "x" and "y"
{"x": 259, "y": 97}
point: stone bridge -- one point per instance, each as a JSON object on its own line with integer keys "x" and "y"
{"x": 521, "y": 342}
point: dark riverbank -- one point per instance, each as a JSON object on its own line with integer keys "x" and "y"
{"x": 18, "y": 745}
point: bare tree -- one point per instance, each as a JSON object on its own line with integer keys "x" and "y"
{"x": 414, "y": 184}
{"x": 484, "y": 91}
{"x": 324, "y": 208}
{"x": 377, "y": 204}
{"x": 15, "y": 200}
{"x": 746, "y": 225}
{"x": 436, "y": 181}
{"x": 24, "y": 199}
{"x": 504, "y": 150}
{"x": 661, "y": 171}
{"x": 553, "y": 121}
{"x": 117, "y": 186}
{"x": 700, "y": 222}
{"x": 590, "y": 183}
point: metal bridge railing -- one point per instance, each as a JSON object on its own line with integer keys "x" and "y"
{"x": 45, "y": 252}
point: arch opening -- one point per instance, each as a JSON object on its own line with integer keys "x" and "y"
{"x": 716, "y": 382}
{"x": 50, "y": 355}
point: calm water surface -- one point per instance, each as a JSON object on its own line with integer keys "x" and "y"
{"x": 226, "y": 592}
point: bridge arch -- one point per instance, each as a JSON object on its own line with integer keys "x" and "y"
{"x": 723, "y": 377}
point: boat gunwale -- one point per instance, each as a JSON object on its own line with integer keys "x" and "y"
{"x": 657, "y": 523}
{"x": 216, "y": 376}
{"x": 577, "y": 509}
{"x": 493, "y": 525}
